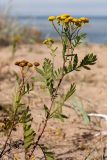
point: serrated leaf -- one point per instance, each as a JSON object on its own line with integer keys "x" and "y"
{"x": 70, "y": 92}
{"x": 27, "y": 145}
{"x": 27, "y": 127}
{"x": 89, "y": 59}
{"x": 78, "y": 39}
{"x": 28, "y": 133}
{"x": 57, "y": 74}
{"x": 48, "y": 74}
{"x": 28, "y": 139}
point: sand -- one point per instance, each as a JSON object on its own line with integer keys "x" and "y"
{"x": 72, "y": 139}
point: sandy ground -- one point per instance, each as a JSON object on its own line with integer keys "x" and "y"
{"x": 70, "y": 140}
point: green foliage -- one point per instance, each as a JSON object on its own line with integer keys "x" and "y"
{"x": 29, "y": 133}
{"x": 70, "y": 92}
{"x": 59, "y": 116}
{"x": 89, "y": 59}
{"x": 47, "y": 154}
{"x": 75, "y": 62}
{"x": 78, "y": 39}
{"x": 57, "y": 73}
{"x": 47, "y": 74}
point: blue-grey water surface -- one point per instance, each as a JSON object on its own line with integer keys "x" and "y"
{"x": 96, "y": 30}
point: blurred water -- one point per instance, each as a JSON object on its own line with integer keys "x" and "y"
{"x": 96, "y": 30}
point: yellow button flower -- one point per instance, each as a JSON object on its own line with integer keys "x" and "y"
{"x": 66, "y": 15}
{"x": 70, "y": 19}
{"x": 66, "y": 21}
{"x": 58, "y": 17}
{"x": 62, "y": 18}
{"x": 75, "y": 20}
{"x": 48, "y": 41}
{"x": 84, "y": 19}
{"x": 51, "y": 18}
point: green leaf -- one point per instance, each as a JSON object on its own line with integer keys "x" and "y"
{"x": 75, "y": 62}
{"x": 89, "y": 59}
{"x": 27, "y": 127}
{"x": 48, "y": 154}
{"x": 28, "y": 137}
{"x": 48, "y": 74}
{"x": 46, "y": 110}
{"x": 78, "y": 39}
{"x": 78, "y": 107}
{"x": 66, "y": 69}
{"x": 70, "y": 92}
{"x": 27, "y": 145}
{"x": 59, "y": 115}
{"x": 29, "y": 133}
{"x": 17, "y": 77}
{"x": 64, "y": 47}
{"x": 69, "y": 68}
{"x": 40, "y": 71}
{"x": 26, "y": 116}
{"x": 57, "y": 74}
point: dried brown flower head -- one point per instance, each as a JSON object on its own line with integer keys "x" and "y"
{"x": 36, "y": 64}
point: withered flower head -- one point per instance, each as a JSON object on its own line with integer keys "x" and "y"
{"x": 25, "y": 62}
{"x": 36, "y": 64}
{"x": 17, "y": 63}
{"x": 29, "y": 64}
{"x": 22, "y": 63}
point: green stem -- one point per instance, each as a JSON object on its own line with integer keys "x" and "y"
{"x": 49, "y": 113}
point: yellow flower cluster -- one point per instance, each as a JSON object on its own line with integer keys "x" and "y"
{"x": 66, "y": 18}
{"x": 25, "y": 63}
{"x": 48, "y": 41}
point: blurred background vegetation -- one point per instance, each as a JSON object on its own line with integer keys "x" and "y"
{"x": 29, "y": 19}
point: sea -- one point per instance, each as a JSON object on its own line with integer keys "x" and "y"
{"x": 96, "y": 30}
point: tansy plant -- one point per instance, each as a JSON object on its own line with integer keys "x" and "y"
{"x": 52, "y": 77}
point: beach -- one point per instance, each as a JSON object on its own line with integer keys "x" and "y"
{"x": 72, "y": 139}
{"x": 53, "y": 80}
